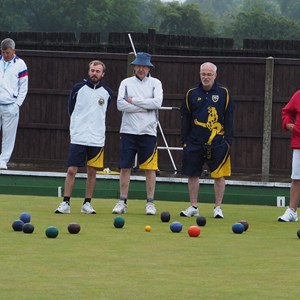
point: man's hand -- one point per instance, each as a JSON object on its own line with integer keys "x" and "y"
{"x": 290, "y": 127}
{"x": 128, "y": 99}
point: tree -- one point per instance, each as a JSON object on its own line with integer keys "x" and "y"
{"x": 72, "y": 15}
{"x": 184, "y": 19}
{"x": 238, "y": 19}
{"x": 290, "y": 8}
{"x": 215, "y": 8}
{"x": 12, "y": 19}
{"x": 257, "y": 24}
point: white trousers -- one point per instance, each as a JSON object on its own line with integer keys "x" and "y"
{"x": 9, "y": 119}
{"x": 296, "y": 164}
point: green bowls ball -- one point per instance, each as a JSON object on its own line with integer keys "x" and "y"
{"x": 51, "y": 232}
{"x": 119, "y": 222}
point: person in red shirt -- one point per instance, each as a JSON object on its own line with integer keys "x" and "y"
{"x": 291, "y": 122}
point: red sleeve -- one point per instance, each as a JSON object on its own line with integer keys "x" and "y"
{"x": 290, "y": 110}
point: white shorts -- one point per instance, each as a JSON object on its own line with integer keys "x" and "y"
{"x": 296, "y": 164}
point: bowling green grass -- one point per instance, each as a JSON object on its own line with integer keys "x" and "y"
{"x": 102, "y": 262}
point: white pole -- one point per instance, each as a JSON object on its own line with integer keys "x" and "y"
{"x": 132, "y": 45}
{"x": 167, "y": 147}
{"x": 59, "y": 191}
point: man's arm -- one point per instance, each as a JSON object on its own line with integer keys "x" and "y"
{"x": 123, "y": 101}
{"x": 153, "y": 103}
{"x": 289, "y": 111}
{"x": 23, "y": 85}
{"x": 185, "y": 120}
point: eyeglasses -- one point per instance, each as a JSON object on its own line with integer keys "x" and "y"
{"x": 207, "y": 74}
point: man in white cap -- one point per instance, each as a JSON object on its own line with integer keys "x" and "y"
{"x": 139, "y": 99}
{"x": 13, "y": 90}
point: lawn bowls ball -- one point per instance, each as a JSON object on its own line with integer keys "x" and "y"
{"x": 238, "y": 228}
{"x": 73, "y": 228}
{"x": 201, "y": 221}
{"x": 25, "y": 217}
{"x": 51, "y": 232}
{"x": 176, "y": 227}
{"x": 28, "y": 228}
{"x": 17, "y": 225}
{"x": 119, "y": 222}
{"x": 298, "y": 233}
{"x": 148, "y": 228}
{"x": 165, "y": 216}
{"x": 194, "y": 231}
{"x": 245, "y": 223}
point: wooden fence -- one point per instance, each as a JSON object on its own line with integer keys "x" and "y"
{"x": 259, "y": 147}
{"x": 152, "y": 42}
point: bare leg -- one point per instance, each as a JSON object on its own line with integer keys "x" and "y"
{"x": 124, "y": 182}
{"x": 193, "y": 186}
{"x": 219, "y": 188}
{"x": 69, "y": 181}
{"x": 295, "y": 194}
{"x": 150, "y": 183}
{"x": 90, "y": 182}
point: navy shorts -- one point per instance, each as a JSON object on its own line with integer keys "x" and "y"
{"x": 80, "y": 155}
{"x": 145, "y": 146}
{"x": 217, "y": 159}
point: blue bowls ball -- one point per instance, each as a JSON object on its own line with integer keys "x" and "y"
{"x": 165, "y": 216}
{"x": 176, "y": 227}
{"x": 28, "y": 228}
{"x": 17, "y": 225}
{"x": 238, "y": 228}
{"x": 25, "y": 217}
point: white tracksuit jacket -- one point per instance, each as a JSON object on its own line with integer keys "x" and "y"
{"x": 87, "y": 107}
{"x": 13, "y": 90}
{"x": 140, "y": 117}
{"x": 13, "y": 81}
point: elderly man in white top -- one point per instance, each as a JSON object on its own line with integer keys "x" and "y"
{"x": 139, "y": 99}
{"x": 13, "y": 90}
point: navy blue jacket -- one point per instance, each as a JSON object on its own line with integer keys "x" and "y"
{"x": 207, "y": 116}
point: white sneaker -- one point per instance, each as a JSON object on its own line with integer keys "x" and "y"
{"x": 150, "y": 209}
{"x": 190, "y": 212}
{"x": 120, "y": 208}
{"x": 64, "y": 208}
{"x": 3, "y": 165}
{"x": 87, "y": 208}
{"x": 218, "y": 213}
{"x": 289, "y": 216}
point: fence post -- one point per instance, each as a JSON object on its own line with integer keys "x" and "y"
{"x": 130, "y": 58}
{"x": 267, "y": 130}
{"x": 151, "y": 41}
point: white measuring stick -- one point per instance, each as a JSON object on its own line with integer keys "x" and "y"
{"x": 132, "y": 45}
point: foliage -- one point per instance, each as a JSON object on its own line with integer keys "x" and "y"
{"x": 258, "y": 23}
{"x": 239, "y": 19}
{"x": 215, "y": 7}
{"x": 71, "y": 15}
{"x": 290, "y": 8}
{"x": 184, "y": 20}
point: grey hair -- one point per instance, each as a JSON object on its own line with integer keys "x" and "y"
{"x": 8, "y": 44}
{"x": 213, "y": 66}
